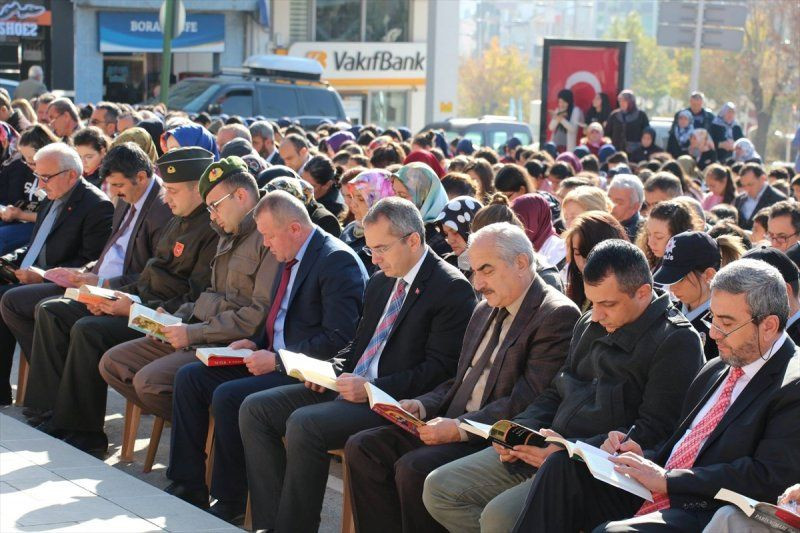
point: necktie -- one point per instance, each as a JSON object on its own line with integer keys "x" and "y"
{"x": 276, "y": 302}
{"x": 459, "y": 402}
{"x": 41, "y": 236}
{"x": 113, "y": 239}
{"x": 383, "y": 329}
{"x": 686, "y": 453}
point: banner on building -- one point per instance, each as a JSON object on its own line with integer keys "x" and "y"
{"x": 584, "y": 67}
{"x": 125, "y": 31}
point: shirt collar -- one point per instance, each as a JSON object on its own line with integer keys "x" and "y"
{"x": 761, "y": 192}
{"x": 302, "y": 251}
{"x": 793, "y": 319}
{"x": 751, "y": 369}
{"x": 140, "y": 202}
{"x": 700, "y": 310}
{"x": 514, "y": 307}
{"x": 412, "y": 274}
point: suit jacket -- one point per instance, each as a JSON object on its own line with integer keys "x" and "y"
{"x": 80, "y": 230}
{"x": 770, "y": 196}
{"x": 145, "y": 235}
{"x": 325, "y": 300}
{"x": 528, "y": 357}
{"x": 794, "y": 332}
{"x": 422, "y": 349}
{"x": 755, "y": 448}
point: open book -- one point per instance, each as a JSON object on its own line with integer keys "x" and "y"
{"x": 390, "y": 409}
{"x": 89, "y": 294}
{"x": 307, "y": 368}
{"x": 505, "y": 433}
{"x": 150, "y": 322}
{"x": 222, "y": 356}
{"x": 59, "y": 276}
{"x": 773, "y": 516}
{"x": 596, "y": 459}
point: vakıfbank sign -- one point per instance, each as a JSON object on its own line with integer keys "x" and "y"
{"x": 371, "y": 64}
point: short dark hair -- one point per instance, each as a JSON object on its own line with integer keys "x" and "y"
{"x": 510, "y": 178}
{"x": 622, "y": 259}
{"x": 787, "y": 208}
{"x": 91, "y": 136}
{"x": 127, "y": 159}
{"x": 37, "y": 136}
{"x": 112, "y": 110}
{"x": 459, "y": 184}
{"x": 779, "y": 173}
{"x": 590, "y": 163}
{"x": 755, "y": 168}
{"x": 560, "y": 170}
{"x": 664, "y": 181}
{"x": 242, "y": 180}
{"x": 298, "y": 141}
{"x": 727, "y": 212}
{"x": 323, "y": 170}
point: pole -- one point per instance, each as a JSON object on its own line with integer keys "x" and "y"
{"x": 166, "y": 54}
{"x": 694, "y": 82}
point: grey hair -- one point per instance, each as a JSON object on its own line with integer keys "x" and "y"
{"x": 65, "y": 105}
{"x": 761, "y": 283}
{"x": 284, "y": 208}
{"x": 67, "y": 157}
{"x": 263, "y": 129}
{"x": 240, "y": 131}
{"x": 36, "y": 72}
{"x": 631, "y": 183}
{"x": 509, "y": 240}
{"x": 402, "y": 215}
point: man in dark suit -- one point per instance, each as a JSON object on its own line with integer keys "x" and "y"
{"x": 315, "y": 305}
{"x": 140, "y": 217}
{"x": 70, "y": 230}
{"x": 630, "y": 361}
{"x": 516, "y": 341}
{"x": 416, "y": 311}
{"x": 70, "y": 337}
{"x": 758, "y": 194}
{"x": 738, "y": 428}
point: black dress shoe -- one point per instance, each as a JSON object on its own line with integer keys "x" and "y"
{"x": 48, "y": 427}
{"x": 36, "y": 416}
{"x": 91, "y": 442}
{"x": 197, "y": 496}
{"x": 231, "y": 512}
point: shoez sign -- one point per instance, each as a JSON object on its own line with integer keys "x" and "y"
{"x": 367, "y": 63}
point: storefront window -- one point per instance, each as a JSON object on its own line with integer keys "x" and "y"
{"x": 387, "y": 21}
{"x": 388, "y": 108}
{"x": 338, "y": 20}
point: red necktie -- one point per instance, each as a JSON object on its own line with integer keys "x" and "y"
{"x": 686, "y": 453}
{"x": 276, "y": 303}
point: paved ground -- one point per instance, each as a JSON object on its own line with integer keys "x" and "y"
{"x": 44, "y": 481}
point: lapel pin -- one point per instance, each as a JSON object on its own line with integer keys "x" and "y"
{"x": 416, "y": 291}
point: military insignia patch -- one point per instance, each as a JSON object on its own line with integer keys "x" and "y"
{"x": 177, "y": 250}
{"x": 170, "y": 169}
{"x": 214, "y": 174}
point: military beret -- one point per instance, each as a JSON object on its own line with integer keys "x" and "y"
{"x": 219, "y": 172}
{"x": 184, "y": 164}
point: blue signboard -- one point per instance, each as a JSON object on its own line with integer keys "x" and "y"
{"x": 128, "y": 31}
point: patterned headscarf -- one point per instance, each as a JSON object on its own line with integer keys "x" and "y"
{"x": 684, "y": 135}
{"x": 372, "y": 185}
{"x": 719, "y": 120}
{"x": 458, "y": 214}
{"x": 293, "y": 186}
{"x": 139, "y": 137}
{"x": 427, "y": 192}
{"x": 748, "y": 150}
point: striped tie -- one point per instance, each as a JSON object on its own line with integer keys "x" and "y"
{"x": 383, "y": 329}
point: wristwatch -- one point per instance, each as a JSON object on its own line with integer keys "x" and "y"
{"x": 279, "y": 364}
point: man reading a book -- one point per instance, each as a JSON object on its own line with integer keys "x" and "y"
{"x": 516, "y": 341}
{"x": 70, "y": 337}
{"x": 416, "y": 309}
{"x": 739, "y": 427}
{"x": 630, "y": 361}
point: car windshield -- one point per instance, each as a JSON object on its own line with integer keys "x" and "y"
{"x": 191, "y": 95}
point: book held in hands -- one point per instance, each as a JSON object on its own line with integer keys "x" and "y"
{"x": 89, "y": 294}
{"x": 505, "y": 433}
{"x": 222, "y": 356}
{"x": 390, "y": 409}
{"x": 307, "y": 368}
{"x": 774, "y": 516}
{"x": 150, "y": 322}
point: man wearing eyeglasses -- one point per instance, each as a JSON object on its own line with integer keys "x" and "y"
{"x": 783, "y": 225}
{"x": 70, "y": 230}
{"x": 758, "y": 194}
{"x": 233, "y": 307}
{"x": 63, "y": 117}
{"x": 739, "y": 428}
{"x": 104, "y": 117}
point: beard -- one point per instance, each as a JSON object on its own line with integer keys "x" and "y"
{"x": 743, "y": 355}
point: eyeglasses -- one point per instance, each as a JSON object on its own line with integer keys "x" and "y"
{"x": 97, "y": 122}
{"x": 709, "y": 322}
{"x": 46, "y": 178}
{"x": 780, "y": 238}
{"x": 380, "y": 250}
{"x": 212, "y": 207}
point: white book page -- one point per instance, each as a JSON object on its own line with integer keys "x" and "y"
{"x": 476, "y": 428}
{"x": 376, "y": 395}
{"x": 602, "y": 468}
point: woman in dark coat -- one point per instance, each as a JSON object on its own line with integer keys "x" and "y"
{"x": 626, "y": 123}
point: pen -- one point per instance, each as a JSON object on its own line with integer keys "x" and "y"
{"x": 625, "y": 438}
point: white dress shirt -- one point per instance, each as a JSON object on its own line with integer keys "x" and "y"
{"x": 278, "y": 343}
{"x": 114, "y": 260}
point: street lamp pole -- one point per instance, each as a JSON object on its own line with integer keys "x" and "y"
{"x": 166, "y": 54}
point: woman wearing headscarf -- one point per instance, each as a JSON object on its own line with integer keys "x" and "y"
{"x": 725, "y": 131}
{"x": 572, "y": 160}
{"x": 365, "y": 190}
{"x": 565, "y": 121}
{"x": 419, "y": 184}
{"x": 681, "y": 134}
{"x": 139, "y": 137}
{"x": 156, "y": 129}
{"x": 455, "y": 222}
{"x": 626, "y": 123}
{"x": 744, "y": 151}
{"x": 424, "y": 156}
{"x": 304, "y": 192}
{"x": 534, "y": 212}
{"x": 191, "y": 135}
{"x": 701, "y": 148}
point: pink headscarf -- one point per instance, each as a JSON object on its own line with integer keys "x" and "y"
{"x": 534, "y": 212}
{"x": 572, "y": 160}
{"x": 424, "y": 156}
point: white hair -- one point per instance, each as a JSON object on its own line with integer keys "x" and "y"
{"x": 36, "y": 72}
{"x": 67, "y": 157}
{"x": 509, "y": 240}
{"x": 631, "y": 183}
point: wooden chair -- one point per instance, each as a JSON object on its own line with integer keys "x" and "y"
{"x": 133, "y": 416}
{"x": 348, "y": 526}
{"x": 22, "y": 379}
